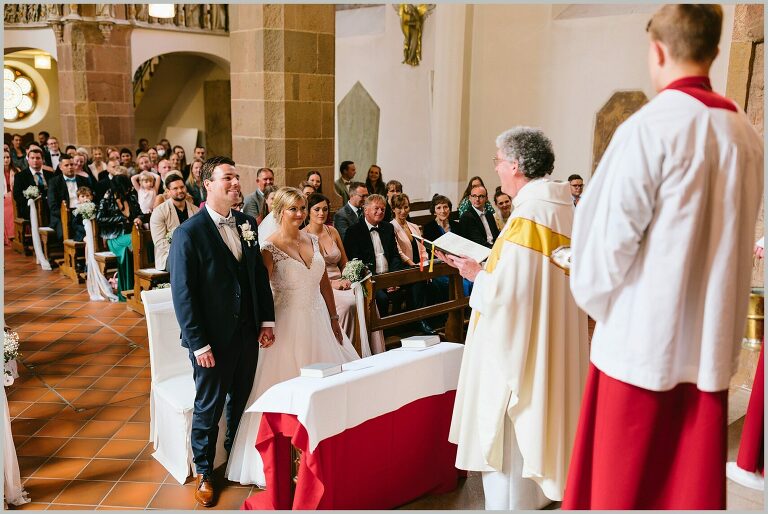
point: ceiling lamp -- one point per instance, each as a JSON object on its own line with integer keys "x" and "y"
{"x": 43, "y": 62}
{"x": 162, "y": 10}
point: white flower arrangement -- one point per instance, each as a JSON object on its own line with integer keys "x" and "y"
{"x": 163, "y": 285}
{"x": 169, "y": 236}
{"x": 248, "y": 235}
{"x": 10, "y": 349}
{"x": 354, "y": 271}
{"x": 87, "y": 210}
{"x": 32, "y": 193}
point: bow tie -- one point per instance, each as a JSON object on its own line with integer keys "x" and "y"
{"x": 374, "y": 228}
{"x": 73, "y": 179}
{"x": 228, "y": 221}
{"x": 55, "y": 155}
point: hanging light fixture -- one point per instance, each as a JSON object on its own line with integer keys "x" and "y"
{"x": 43, "y": 62}
{"x": 162, "y": 10}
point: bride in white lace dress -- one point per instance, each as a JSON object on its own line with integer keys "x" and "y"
{"x": 306, "y": 329}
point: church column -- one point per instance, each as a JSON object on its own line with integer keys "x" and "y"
{"x": 95, "y": 84}
{"x": 282, "y": 76}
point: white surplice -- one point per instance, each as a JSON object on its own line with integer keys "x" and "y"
{"x": 526, "y": 349}
{"x": 662, "y": 244}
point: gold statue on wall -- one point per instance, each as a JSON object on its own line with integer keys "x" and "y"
{"x": 412, "y": 18}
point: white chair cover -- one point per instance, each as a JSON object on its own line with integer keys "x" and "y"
{"x": 96, "y": 283}
{"x": 173, "y": 389}
{"x": 377, "y": 338}
{"x": 14, "y": 492}
{"x": 36, "y": 243}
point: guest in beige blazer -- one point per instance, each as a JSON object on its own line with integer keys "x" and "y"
{"x": 169, "y": 215}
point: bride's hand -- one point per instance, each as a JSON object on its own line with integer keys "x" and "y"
{"x": 337, "y": 330}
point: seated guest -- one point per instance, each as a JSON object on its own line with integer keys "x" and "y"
{"x": 63, "y": 188}
{"x": 476, "y": 223}
{"x": 238, "y": 206}
{"x": 163, "y": 169}
{"x": 118, "y": 212}
{"x": 18, "y": 153}
{"x": 194, "y": 183}
{"x": 183, "y": 165}
{"x": 332, "y": 250}
{"x": 412, "y": 252}
{"x": 347, "y": 171}
{"x": 143, "y": 163}
{"x": 264, "y": 177}
{"x": 97, "y": 165}
{"x": 314, "y": 178}
{"x": 394, "y": 187}
{"x": 146, "y": 184}
{"x": 53, "y": 153}
{"x": 352, "y": 212}
{"x": 266, "y": 220}
{"x": 465, "y": 203}
{"x": 441, "y": 208}
{"x": 126, "y": 160}
{"x": 9, "y": 174}
{"x": 375, "y": 181}
{"x": 503, "y": 204}
{"x": 307, "y": 188}
{"x": 169, "y": 215}
{"x": 373, "y": 242}
{"x": 32, "y": 175}
{"x": 84, "y": 194}
{"x": 71, "y": 150}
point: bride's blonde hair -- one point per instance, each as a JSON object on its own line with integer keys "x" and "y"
{"x": 285, "y": 198}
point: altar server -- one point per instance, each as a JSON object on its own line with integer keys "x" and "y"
{"x": 662, "y": 248}
{"x": 526, "y": 353}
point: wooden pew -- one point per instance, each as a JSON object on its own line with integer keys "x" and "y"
{"x": 455, "y": 305}
{"x": 145, "y": 277}
{"x": 74, "y": 251}
{"x": 22, "y": 231}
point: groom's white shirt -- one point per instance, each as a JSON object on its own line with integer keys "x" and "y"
{"x": 232, "y": 240}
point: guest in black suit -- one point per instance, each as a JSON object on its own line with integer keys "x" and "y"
{"x": 33, "y": 175}
{"x": 373, "y": 241}
{"x": 352, "y": 211}
{"x": 63, "y": 188}
{"x": 477, "y": 224}
{"x": 224, "y": 306}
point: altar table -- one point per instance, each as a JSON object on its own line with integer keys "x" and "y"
{"x": 372, "y": 437}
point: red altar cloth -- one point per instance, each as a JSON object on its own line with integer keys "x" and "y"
{"x": 751, "y": 447}
{"x": 641, "y": 449}
{"x": 380, "y": 464}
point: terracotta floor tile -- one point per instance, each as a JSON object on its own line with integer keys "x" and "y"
{"x": 41, "y": 446}
{"x": 82, "y": 415}
{"x": 142, "y": 414}
{"x": 109, "y": 383}
{"x": 142, "y": 385}
{"x": 31, "y": 506}
{"x": 127, "y": 372}
{"x": 78, "y": 359}
{"x": 121, "y": 449}
{"x": 58, "y": 467}
{"x": 100, "y": 429}
{"x": 146, "y": 453}
{"x": 93, "y": 370}
{"x": 44, "y": 489}
{"x": 43, "y": 410}
{"x": 27, "y": 426}
{"x": 232, "y": 498}
{"x": 51, "y": 397}
{"x": 110, "y": 360}
{"x": 85, "y": 448}
{"x": 84, "y": 492}
{"x": 105, "y": 469}
{"x": 118, "y": 349}
{"x": 68, "y": 394}
{"x": 129, "y": 398}
{"x": 112, "y": 413}
{"x": 28, "y": 465}
{"x": 130, "y": 495}
{"x": 134, "y": 360}
{"x": 60, "y": 428}
{"x": 56, "y": 506}
{"x": 146, "y": 471}
{"x": 26, "y": 394}
{"x": 77, "y": 381}
{"x": 93, "y": 398}
{"x": 171, "y": 496}
{"x": 16, "y": 408}
{"x": 137, "y": 431}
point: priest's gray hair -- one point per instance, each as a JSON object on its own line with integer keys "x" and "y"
{"x": 530, "y": 148}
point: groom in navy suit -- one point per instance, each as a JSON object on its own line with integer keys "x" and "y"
{"x": 224, "y": 306}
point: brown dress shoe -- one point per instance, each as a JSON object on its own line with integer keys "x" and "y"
{"x": 205, "y": 492}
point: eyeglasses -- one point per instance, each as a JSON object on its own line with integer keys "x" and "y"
{"x": 580, "y": 186}
{"x": 478, "y": 197}
{"x": 497, "y": 161}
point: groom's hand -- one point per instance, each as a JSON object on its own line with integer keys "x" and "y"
{"x": 206, "y": 360}
{"x": 266, "y": 337}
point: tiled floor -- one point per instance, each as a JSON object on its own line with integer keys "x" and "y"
{"x": 80, "y": 410}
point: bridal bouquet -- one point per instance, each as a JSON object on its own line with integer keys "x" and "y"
{"x": 354, "y": 271}
{"x": 10, "y": 349}
{"x": 31, "y": 193}
{"x": 87, "y": 210}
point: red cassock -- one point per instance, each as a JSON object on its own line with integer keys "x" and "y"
{"x": 752, "y": 436}
{"x": 641, "y": 449}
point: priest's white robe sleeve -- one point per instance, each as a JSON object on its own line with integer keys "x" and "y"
{"x": 612, "y": 217}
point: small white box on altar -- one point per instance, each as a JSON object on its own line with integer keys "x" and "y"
{"x": 424, "y": 341}
{"x": 320, "y": 370}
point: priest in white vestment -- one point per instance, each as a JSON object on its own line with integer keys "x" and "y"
{"x": 526, "y": 354}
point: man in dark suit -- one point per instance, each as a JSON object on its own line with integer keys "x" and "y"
{"x": 224, "y": 306}
{"x": 346, "y": 174}
{"x": 63, "y": 188}
{"x": 476, "y": 224}
{"x": 352, "y": 211}
{"x": 33, "y": 175}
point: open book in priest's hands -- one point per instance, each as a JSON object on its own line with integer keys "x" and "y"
{"x": 453, "y": 244}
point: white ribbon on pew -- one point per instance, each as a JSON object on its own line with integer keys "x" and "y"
{"x": 357, "y": 288}
{"x": 36, "y": 243}
{"x": 96, "y": 283}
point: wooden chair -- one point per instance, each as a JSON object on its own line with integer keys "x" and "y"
{"x": 74, "y": 251}
{"x": 53, "y": 248}
{"x": 145, "y": 277}
{"x": 106, "y": 260}
{"x": 22, "y": 230}
{"x": 455, "y": 306}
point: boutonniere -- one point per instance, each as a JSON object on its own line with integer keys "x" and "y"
{"x": 248, "y": 235}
